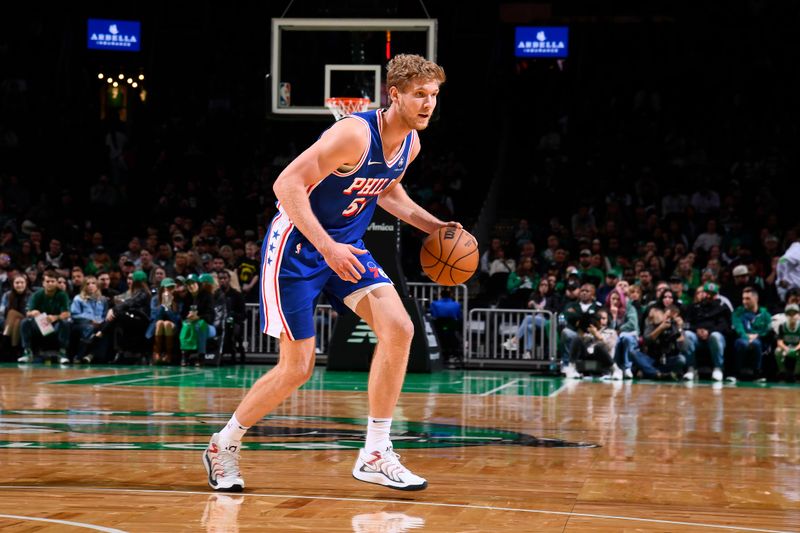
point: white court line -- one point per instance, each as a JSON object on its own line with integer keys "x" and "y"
{"x": 489, "y": 378}
{"x": 559, "y": 389}
{"x": 149, "y": 378}
{"x": 63, "y": 522}
{"x": 401, "y": 502}
{"x": 501, "y": 387}
{"x": 57, "y": 382}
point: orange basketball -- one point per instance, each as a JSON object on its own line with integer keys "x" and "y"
{"x": 449, "y": 256}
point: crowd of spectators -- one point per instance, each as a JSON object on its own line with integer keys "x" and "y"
{"x": 648, "y": 318}
{"x": 181, "y": 212}
{"x": 651, "y": 264}
{"x": 657, "y": 206}
{"x": 616, "y": 174}
{"x": 167, "y": 210}
{"x": 90, "y": 313}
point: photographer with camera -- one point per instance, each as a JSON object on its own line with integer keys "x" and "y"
{"x": 126, "y": 322}
{"x": 600, "y": 339}
{"x": 663, "y": 335}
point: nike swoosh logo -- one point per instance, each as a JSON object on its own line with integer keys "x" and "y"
{"x": 373, "y": 162}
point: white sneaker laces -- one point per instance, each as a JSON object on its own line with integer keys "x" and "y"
{"x": 229, "y": 461}
{"x": 390, "y": 463}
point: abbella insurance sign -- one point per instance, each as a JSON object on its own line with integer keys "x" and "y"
{"x": 114, "y": 35}
{"x": 538, "y": 41}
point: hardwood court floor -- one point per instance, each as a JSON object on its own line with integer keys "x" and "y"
{"x": 118, "y": 449}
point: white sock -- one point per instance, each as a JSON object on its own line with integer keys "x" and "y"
{"x": 378, "y": 434}
{"x": 233, "y": 430}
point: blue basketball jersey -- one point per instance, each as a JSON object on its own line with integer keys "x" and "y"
{"x": 293, "y": 272}
{"x": 345, "y": 202}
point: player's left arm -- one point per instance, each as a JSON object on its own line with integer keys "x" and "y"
{"x": 397, "y": 202}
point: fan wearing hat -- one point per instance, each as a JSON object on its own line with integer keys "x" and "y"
{"x": 570, "y": 285}
{"x": 198, "y": 318}
{"x": 126, "y": 267}
{"x": 788, "y": 344}
{"x": 180, "y": 293}
{"x": 131, "y": 315}
{"x": 740, "y": 279}
{"x": 178, "y": 242}
{"x": 792, "y": 297}
{"x": 611, "y": 279}
{"x": 28, "y": 226}
{"x": 709, "y": 320}
{"x": 678, "y": 287}
{"x": 588, "y": 270}
{"x": 207, "y": 279}
{"x": 164, "y": 320}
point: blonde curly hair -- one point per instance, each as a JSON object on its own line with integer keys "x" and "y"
{"x": 405, "y": 67}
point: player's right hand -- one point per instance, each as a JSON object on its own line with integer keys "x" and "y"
{"x": 342, "y": 260}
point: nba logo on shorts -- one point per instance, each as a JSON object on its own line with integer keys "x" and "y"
{"x": 376, "y": 271}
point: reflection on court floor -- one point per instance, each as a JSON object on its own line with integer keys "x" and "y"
{"x": 118, "y": 449}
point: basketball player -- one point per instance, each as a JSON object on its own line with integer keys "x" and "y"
{"x": 326, "y": 198}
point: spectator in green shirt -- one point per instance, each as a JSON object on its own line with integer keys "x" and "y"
{"x": 588, "y": 271}
{"x": 788, "y": 343}
{"x": 53, "y": 302}
{"x": 752, "y": 325}
{"x": 522, "y": 279}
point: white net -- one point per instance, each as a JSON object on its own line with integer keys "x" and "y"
{"x": 341, "y": 107}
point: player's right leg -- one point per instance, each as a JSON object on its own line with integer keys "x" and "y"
{"x": 221, "y": 457}
{"x": 291, "y": 279}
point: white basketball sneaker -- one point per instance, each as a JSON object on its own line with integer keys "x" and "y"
{"x": 570, "y": 372}
{"x": 384, "y": 468}
{"x": 511, "y": 344}
{"x": 222, "y": 465}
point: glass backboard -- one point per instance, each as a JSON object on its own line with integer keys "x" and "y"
{"x": 314, "y": 59}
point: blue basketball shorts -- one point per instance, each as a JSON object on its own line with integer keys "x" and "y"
{"x": 294, "y": 274}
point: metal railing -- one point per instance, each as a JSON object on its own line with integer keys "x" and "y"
{"x": 256, "y": 342}
{"x": 488, "y": 333}
{"x": 485, "y": 331}
{"x": 426, "y": 292}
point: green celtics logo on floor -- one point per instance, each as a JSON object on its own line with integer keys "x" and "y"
{"x": 161, "y": 430}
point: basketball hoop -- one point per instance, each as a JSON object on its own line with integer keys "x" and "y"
{"x": 341, "y": 107}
